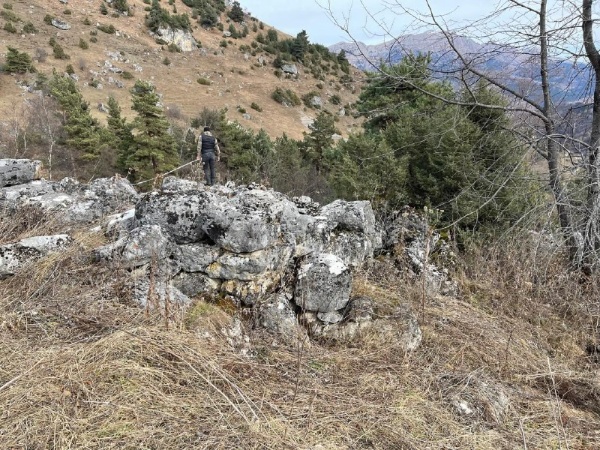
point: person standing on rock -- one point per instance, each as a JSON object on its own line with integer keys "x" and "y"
{"x": 208, "y": 151}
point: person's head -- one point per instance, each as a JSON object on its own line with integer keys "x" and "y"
{"x": 206, "y": 128}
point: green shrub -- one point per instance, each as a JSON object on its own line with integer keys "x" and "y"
{"x": 103, "y": 9}
{"x": 83, "y": 44}
{"x": 69, "y": 69}
{"x": 67, "y": 12}
{"x": 223, "y": 43}
{"x": 204, "y": 81}
{"x": 59, "y": 52}
{"x": 93, "y": 32}
{"x": 256, "y": 107}
{"x": 10, "y": 16}
{"x": 108, "y": 29}
{"x": 8, "y": 26}
{"x": 93, "y": 39}
{"x": 335, "y": 99}
{"x": 94, "y": 83}
{"x": 127, "y": 75}
{"x": 307, "y": 99}
{"x": 7, "y": 6}
{"x": 28, "y": 28}
{"x": 166, "y": 61}
{"x": 285, "y": 97}
{"x": 18, "y": 62}
{"x": 87, "y": 21}
{"x": 241, "y": 110}
{"x": 48, "y": 19}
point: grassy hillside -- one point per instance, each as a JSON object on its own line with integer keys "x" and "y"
{"x": 231, "y": 78}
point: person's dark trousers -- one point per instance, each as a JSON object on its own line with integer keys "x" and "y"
{"x": 208, "y": 160}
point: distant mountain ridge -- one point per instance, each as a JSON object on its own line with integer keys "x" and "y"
{"x": 569, "y": 80}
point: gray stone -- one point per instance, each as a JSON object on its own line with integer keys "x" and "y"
{"x": 249, "y": 292}
{"x": 330, "y": 317}
{"x": 18, "y": 171}
{"x": 143, "y": 245}
{"x": 180, "y": 214}
{"x": 16, "y": 255}
{"x": 119, "y": 223}
{"x": 275, "y": 314}
{"x": 250, "y": 266}
{"x": 323, "y": 283}
{"x": 195, "y": 257}
{"x": 316, "y": 102}
{"x": 182, "y": 38}
{"x": 174, "y": 184}
{"x": 60, "y": 24}
{"x": 290, "y": 68}
{"x": 194, "y": 284}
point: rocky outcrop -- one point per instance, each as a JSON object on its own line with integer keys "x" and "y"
{"x": 182, "y": 38}
{"x": 18, "y": 171}
{"x": 71, "y": 201}
{"x": 290, "y": 260}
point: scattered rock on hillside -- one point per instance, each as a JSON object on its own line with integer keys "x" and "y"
{"x": 182, "y": 38}
{"x": 60, "y": 24}
{"x": 290, "y": 69}
{"x": 476, "y": 397}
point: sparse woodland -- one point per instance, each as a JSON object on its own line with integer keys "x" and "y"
{"x": 510, "y": 360}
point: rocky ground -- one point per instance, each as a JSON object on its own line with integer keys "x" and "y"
{"x": 235, "y": 317}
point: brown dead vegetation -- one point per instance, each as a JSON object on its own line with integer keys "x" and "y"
{"x": 81, "y": 367}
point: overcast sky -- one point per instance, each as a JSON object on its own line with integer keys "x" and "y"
{"x": 296, "y": 15}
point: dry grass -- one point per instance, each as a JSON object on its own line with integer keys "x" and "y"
{"x": 80, "y": 367}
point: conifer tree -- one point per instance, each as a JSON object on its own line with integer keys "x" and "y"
{"x": 18, "y": 62}
{"x": 84, "y": 133}
{"x": 236, "y": 14}
{"x": 319, "y": 140}
{"x": 153, "y": 150}
{"x": 120, "y": 132}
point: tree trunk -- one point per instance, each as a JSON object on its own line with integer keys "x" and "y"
{"x": 591, "y": 222}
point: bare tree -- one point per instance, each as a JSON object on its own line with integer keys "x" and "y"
{"x": 543, "y": 35}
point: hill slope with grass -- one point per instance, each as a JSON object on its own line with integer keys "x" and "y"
{"x": 107, "y": 51}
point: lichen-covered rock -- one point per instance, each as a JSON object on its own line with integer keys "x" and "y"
{"x": 70, "y": 201}
{"x": 174, "y": 184}
{"x": 194, "y": 284}
{"x": 195, "y": 257}
{"x": 181, "y": 214}
{"x": 139, "y": 247}
{"x": 250, "y": 266}
{"x": 14, "y": 256}
{"x": 276, "y": 314}
{"x": 18, "y": 171}
{"x": 249, "y": 292}
{"x": 322, "y": 284}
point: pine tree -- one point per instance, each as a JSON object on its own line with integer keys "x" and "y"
{"x": 319, "y": 140}
{"x": 120, "y": 132}
{"x": 18, "y": 62}
{"x": 153, "y": 150}
{"x": 84, "y": 133}
{"x": 236, "y": 14}
{"x": 299, "y": 46}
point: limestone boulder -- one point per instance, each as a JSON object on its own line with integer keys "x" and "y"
{"x": 275, "y": 313}
{"x": 180, "y": 214}
{"x": 322, "y": 283}
{"x": 18, "y": 171}
{"x": 139, "y": 247}
{"x": 15, "y": 255}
